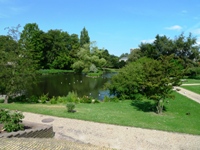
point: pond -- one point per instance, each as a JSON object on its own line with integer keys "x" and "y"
{"x": 61, "y": 84}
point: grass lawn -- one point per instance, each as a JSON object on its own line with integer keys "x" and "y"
{"x": 193, "y": 88}
{"x": 53, "y": 71}
{"x": 127, "y": 113}
{"x": 190, "y": 81}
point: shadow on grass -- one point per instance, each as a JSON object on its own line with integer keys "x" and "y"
{"x": 145, "y": 106}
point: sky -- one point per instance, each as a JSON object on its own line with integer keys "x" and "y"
{"x": 115, "y": 25}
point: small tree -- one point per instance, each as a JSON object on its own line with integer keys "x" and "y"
{"x": 153, "y": 79}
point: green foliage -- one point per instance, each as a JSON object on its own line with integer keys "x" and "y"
{"x": 18, "y": 68}
{"x": 44, "y": 98}
{"x": 53, "y": 100}
{"x": 84, "y": 37}
{"x": 86, "y": 99}
{"x": 110, "y": 99}
{"x": 70, "y": 107}
{"x": 150, "y": 78}
{"x": 72, "y": 97}
{"x": 182, "y": 47}
{"x": 1, "y": 100}
{"x": 11, "y": 120}
{"x": 89, "y": 59}
{"x": 33, "y": 99}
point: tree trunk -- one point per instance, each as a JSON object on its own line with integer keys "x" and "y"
{"x": 159, "y": 106}
{"x": 6, "y": 99}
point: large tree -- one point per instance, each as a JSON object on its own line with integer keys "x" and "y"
{"x": 89, "y": 56}
{"x": 182, "y": 47}
{"x": 151, "y": 78}
{"x": 30, "y": 40}
{"x": 84, "y": 37}
{"x": 16, "y": 65}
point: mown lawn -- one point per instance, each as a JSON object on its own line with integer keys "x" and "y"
{"x": 193, "y": 88}
{"x": 181, "y": 115}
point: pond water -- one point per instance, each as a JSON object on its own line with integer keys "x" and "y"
{"x": 61, "y": 84}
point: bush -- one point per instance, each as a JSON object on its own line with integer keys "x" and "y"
{"x": 11, "y": 120}
{"x": 1, "y": 100}
{"x": 70, "y": 107}
{"x": 110, "y": 99}
{"x": 86, "y": 99}
{"x": 53, "y": 100}
{"x": 33, "y": 99}
{"x": 61, "y": 99}
{"x": 44, "y": 98}
{"x": 72, "y": 97}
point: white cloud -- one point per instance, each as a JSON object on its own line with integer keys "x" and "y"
{"x": 148, "y": 41}
{"x": 175, "y": 27}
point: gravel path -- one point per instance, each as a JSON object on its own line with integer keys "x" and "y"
{"x": 118, "y": 137}
{"x": 187, "y": 93}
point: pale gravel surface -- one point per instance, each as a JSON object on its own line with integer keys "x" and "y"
{"x": 118, "y": 137}
{"x": 187, "y": 93}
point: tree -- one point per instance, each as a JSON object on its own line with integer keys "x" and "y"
{"x": 182, "y": 47}
{"x": 151, "y": 78}
{"x": 56, "y": 49}
{"x": 84, "y": 37}
{"x": 30, "y": 40}
{"x": 16, "y": 65}
{"x": 135, "y": 55}
{"x": 89, "y": 57}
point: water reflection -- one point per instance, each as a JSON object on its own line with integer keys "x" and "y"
{"x": 61, "y": 84}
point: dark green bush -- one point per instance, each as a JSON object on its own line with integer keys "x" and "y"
{"x": 1, "y": 100}
{"x": 33, "y": 99}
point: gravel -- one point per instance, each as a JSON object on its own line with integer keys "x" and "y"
{"x": 117, "y": 137}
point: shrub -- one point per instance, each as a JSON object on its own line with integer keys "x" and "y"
{"x": 62, "y": 99}
{"x": 111, "y": 99}
{"x": 70, "y": 107}
{"x": 72, "y": 97}
{"x": 44, "y": 98}
{"x": 33, "y": 99}
{"x": 53, "y": 100}
{"x": 11, "y": 120}
{"x": 1, "y": 100}
{"x": 86, "y": 99}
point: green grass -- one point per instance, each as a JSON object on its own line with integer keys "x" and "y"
{"x": 97, "y": 74}
{"x": 126, "y": 113}
{"x": 110, "y": 70}
{"x": 190, "y": 81}
{"x": 194, "y": 88}
{"x": 53, "y": 71}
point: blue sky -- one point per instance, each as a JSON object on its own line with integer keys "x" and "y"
{"x": 116, "y": 25}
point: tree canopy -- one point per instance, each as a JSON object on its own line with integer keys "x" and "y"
{"x": 16, "y": 65}
{"x": 89, "y": 59}
{"x": 148, "y": 77}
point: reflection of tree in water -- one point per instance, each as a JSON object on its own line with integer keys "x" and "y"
{"x": 61, "y": 84}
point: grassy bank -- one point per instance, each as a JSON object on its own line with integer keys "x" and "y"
{"x": 53, "y": 71}
{"x": 181, "y": 115}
